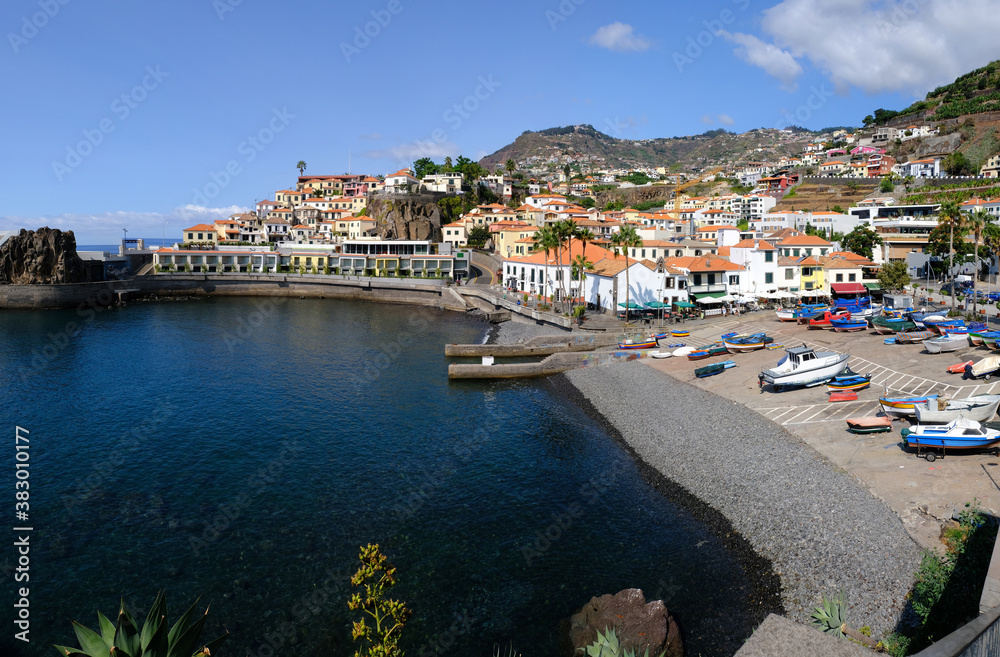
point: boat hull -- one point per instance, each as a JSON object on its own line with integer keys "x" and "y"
{"x": 638, "y": 345}
{"x": 848, "y": 327}
{"x": 945, "y": 344}
{"x": 804, "y": 378}
{"x": 903, "y": 406}
{"x": 877, "y": 424}
{"x": 979, "y": 409}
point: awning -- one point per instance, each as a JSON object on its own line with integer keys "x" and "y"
{"x": 712, "y": 295}
{"x": 873, "y": 286}
{"x": 684, "y": 304}
{"x": 656, "y": 305}
{"x": 848, "y": 288}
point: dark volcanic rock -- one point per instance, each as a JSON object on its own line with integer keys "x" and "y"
{"x": 640, "y": 625}
{"x": 43, "y": 256}
{"x": 415, "y": 217}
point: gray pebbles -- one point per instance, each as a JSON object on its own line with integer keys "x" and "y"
{"x": 819, "y": 527}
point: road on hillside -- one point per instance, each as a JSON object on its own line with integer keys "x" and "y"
{"x": 484, "y": 268}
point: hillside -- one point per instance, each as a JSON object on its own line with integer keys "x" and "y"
{"x": 973, "y": 93}
{"x": 583, "y": 144}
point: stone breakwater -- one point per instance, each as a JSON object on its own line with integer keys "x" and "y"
{"x": 821, "y": 529}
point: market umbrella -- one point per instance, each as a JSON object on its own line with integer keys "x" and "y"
{"x": 726, "y": 298}
{"x": 708, "y": 300}
{"x": 631, "y": 305}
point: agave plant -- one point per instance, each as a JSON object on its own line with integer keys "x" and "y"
{"x": 831, "y": 618}
{"x": 608, "y": 645}
{"x": 124, "y": 639}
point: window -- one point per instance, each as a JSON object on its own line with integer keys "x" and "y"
{"x": 852, "y": 278}
{"x": 734, "y": 280}
{"x": 697, "y": 279}
{"x": 795, "y": 252}
{"x": 840, "y": 278}
{"x": 806, "y": 271}
{"x": 768, "y": 256}
{"x": 768, "y": 279}
{"x": 809, "y": 285}
{"x": 789, "y": 274}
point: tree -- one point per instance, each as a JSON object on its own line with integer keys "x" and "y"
{"x": 862, "y": 240}
{"x": 424, "y": 167}
{"x": 886, "y": 185}
{"x": 579, "y": 270}
{"x": 566, "y": 170}
{"x": 301, "y": 166}
{"x": 626, "y": 238}
{"x": 951, "y": 217}
{"x": 957, "y": 164}
{"x": 894, "y": 276}
{"x": 451, "y": 208}
{"x": 565, "y": 231}
{"x": 377, "y": 576}
{"x": 977, "y": 221}
{"x": 511, "y": 166}
{"x": 478, "y": 236}
{"x": 448, "y": 166}
{"x": 545, "y": 240}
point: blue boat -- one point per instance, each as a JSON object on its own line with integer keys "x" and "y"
{"x": 849, "y": 381}
{"x": 961, "y": 435}
{"x": 713, "y": 369}
{"x": 849, "y": 324}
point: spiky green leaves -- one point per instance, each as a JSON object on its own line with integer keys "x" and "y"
{"x": 154, "y": 639}
{"x": 831, "y": 616}
{"x": 608, "y": 645}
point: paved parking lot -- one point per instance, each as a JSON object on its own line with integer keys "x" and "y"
{"x": 923, "y": 494}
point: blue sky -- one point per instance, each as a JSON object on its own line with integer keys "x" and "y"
{"x": 155, "y": 116}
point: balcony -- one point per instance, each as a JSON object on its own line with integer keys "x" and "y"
{"x": 706, "y": 289}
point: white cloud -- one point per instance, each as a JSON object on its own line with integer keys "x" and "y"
{"x": 106, "y": 227}
{"x": 619, "y": 37}
{"x": 415, "y": 150}
{"x": 885, "y": 45}
{"x": 707, "y": 120}
{"x": 773, "y": 60}
{"x": 725, "y": 119}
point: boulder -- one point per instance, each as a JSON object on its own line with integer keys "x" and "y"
{"x": 43, "y": 256}
{"x": 640, "y": 625}
{"x": 414, "y": 217}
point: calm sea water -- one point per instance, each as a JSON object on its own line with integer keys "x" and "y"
{"x": 242, "y": 450}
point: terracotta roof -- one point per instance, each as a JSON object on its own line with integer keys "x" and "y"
{"x": 804, "y": 240}
{"x": 760, "y": 245}
{"x": 201, "y": 227}
{"x": 808, "y": 261}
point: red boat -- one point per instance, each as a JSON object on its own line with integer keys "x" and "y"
{"x": 959, "y": 368}
{"x": 849, "y": 395}
{"x": 823, "y": 321}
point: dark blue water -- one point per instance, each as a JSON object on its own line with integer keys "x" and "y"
{"x": 242, "y": 450}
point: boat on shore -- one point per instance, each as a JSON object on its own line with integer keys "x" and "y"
{"x": 849, "y": 325}
{"x": 803, "y": 367}
{"x": 958, "y": 435}
{"x": 714, "y": 368}
{"x": 903, "y": 406}
{"x": 945, "y": 343}
{"x": 826, "y": 319}
{"x": 887, "y": 325}
{"x": 849, "y": 381}
{"x": 742, "y": 343}
{"x": 981, "y": 408}
{"x": 912, "y": 337}
{"x": 785, "y": 314}
{"x": 939, "y": 326}
{"x": 874, "y": 424}
{"x": 984, "y": 369}
{"x": 631, "y": 343}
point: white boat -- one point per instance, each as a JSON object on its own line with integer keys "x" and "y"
{"x": 933, "y": 318}
{"x": 945, "y": 343}
{"x": 802, "y": 366}
{"x": 660, "y": 354}
{"x": 867, "y": 313}
{"x": 683, "y": 351}
{"x": 981, "y": 408}
{"x": 786, "y": 314}
{"x": 961, "y": 434}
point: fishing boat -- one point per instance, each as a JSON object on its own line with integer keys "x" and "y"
{"x": 939, "y": 325}
{"x": 867, "y": 313}
{"x": 659, "y": 335}
{"x": 918, "y": 316}
{"x": 824, "y": 320}
{"x": 683, "y": 351}
{"x": 903, "y": 405}
{"x": 713, "y": 369}
{"x": 874, "y": 424}
{"x": 802, "y": 366}
{"x": 680, "y": 334}
{"x": 958, "y": 435}
{"x": 887, "y": 325}
{"x": 945, "y": 343}
{"x": 958, "y": 368}
{"x": 631, "y": 343}
{"x": 984, "y": 369}
{"x": 699, "y": 354}
{"x": 988, "y": 338}
{"x": 742, "y": 343}
{"x": 981, "y": 408}
{"x": 847, "y": 395}
{"x": 849, "y": 325}
{"x": 660, "y": 354}
{"x": 786, "y": 314}
{"x": 727, "y": 335}
{"x": 849, "y": 381}
{"x": 911, "y": 337}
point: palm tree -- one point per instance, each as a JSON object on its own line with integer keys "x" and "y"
{"x": 564, "y": 233}
{"x": 545, "y": 240}
{"x": 585, "y": 236}
{"x": 511, "y": 166}
{"x": 301, "y": 166}
{"x": 951, "y": 215}
{"x": 625, "y": 239}
{"x": 579, "y": 269}
{"x": 977, "y": 222}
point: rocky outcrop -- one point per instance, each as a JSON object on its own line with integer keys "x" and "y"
{"x": 416, "y": 217}
{"x": 639, "y": 625}
{"x": 45, "y": 256}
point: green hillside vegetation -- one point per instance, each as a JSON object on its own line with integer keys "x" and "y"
{"x": 975, "y": 92}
